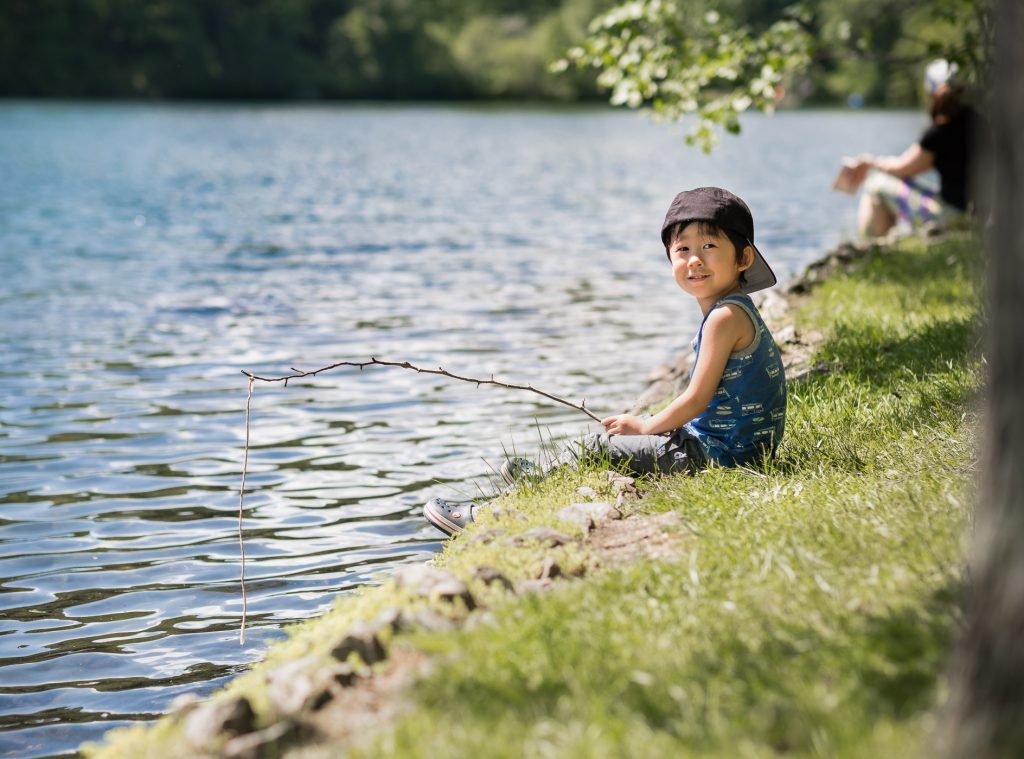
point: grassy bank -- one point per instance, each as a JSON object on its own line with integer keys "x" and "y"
{"x": 806, "y": 608}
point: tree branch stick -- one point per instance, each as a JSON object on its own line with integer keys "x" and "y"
{"x": 440, "y": 371}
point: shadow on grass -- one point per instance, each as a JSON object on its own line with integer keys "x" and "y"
{"x": 874, "y": 355}
{"x": 908, "y": 649}
{"x": 904, "y": 382}
{"x": 875, "y": 352}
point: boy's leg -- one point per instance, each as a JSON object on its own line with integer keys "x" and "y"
{"x": 641, "y": 454}
{"x": 636, "y": 454}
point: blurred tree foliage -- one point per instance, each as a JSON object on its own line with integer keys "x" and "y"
{"x": 715, "y": 60}
{"x": 878, "y": 48}
{"x": 443, "y": 49}
{"x": 682, "y": 58}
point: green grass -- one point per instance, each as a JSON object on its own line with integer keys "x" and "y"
{"x": 813, "y": 610}
{"x": 812, "y": 604}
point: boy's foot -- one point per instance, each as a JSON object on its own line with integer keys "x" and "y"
{"x": 514, "y": 471}
{"x": 448, "y": 518}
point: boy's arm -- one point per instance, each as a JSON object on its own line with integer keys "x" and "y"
{"x": 724, "y": 329}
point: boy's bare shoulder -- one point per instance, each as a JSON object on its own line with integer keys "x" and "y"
{"x": 730, "y": 323}
{"x": 728, "y": 315}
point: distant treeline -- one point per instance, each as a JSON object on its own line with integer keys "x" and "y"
{"x": 398, "y": 49}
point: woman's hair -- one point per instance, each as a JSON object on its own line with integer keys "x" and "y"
{"x": 945, "y": 103}
{"x": 739, "y": 242}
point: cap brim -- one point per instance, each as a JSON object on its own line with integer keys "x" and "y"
{"x": 759, "y": 276}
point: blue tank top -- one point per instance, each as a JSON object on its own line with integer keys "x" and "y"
{"x": 747, "y": 414}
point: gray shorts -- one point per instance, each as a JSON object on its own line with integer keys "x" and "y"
{"x": 679, "y": 451}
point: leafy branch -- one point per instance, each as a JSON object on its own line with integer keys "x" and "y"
{"x": 652, "y": 54}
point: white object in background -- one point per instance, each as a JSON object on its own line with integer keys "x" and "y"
{"x": 938, "y": 73}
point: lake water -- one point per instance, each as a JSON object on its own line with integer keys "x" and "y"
{"x": 150, "y": 253}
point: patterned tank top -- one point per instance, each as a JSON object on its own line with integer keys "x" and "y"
{"x": 747, "y": 414}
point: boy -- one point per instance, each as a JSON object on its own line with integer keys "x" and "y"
{"x": 733, "y": 410}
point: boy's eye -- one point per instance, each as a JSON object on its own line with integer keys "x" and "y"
{"x": 709, "y": 245}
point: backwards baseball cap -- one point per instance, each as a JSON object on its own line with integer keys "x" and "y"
{"x": 724, "y": 210}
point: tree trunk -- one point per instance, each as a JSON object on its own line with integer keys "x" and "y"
{"x": 987, "y": 705}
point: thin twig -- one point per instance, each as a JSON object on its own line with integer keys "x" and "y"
{"x": 241, "y": 504}
{"x": 439, "y": 371}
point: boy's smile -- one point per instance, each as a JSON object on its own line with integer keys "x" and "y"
{"x": 705, "y": 266}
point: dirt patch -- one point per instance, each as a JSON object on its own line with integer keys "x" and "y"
{"x": 625, "y": 541}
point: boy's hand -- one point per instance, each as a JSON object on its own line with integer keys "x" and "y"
{"x": 624, "y": 424}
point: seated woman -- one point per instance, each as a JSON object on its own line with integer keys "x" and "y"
{"x": 891, "y": 191}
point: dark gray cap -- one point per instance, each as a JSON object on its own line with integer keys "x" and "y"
{"x": 725, "y": 210}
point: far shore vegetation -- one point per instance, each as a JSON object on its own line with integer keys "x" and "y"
{"x": 807, "y": 608}
{"x": 872, "y": 52}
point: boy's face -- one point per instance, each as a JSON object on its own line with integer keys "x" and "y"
{"x": 705, "y": 264}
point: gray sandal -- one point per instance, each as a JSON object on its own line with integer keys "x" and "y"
{"x": 515, "y": 471}
{"x": 450, "y": 519}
